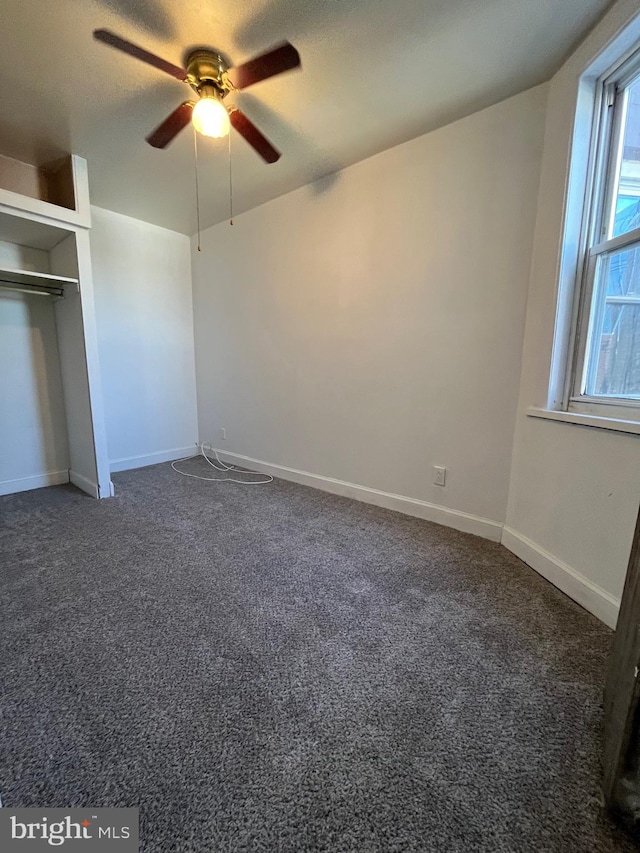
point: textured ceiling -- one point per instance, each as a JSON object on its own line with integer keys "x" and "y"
{"x": 374, "y": 73}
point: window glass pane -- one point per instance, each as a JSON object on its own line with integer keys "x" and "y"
{"x": 613, "y": 367}
{"x": 626, "y": 213}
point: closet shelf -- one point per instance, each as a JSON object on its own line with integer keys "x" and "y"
{"x": 35, "y": 282}
{"x": 12, "y": 276}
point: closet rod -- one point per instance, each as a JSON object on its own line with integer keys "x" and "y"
{"x": 36, "y": 289}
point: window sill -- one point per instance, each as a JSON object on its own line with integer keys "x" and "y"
{"x": 614, "y": 424}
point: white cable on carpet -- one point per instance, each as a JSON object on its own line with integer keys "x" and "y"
{"x": 223, "y": 468}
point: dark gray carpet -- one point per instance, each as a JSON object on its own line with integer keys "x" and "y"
{"x": 277, "y": 669}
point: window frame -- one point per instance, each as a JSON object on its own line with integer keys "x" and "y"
{"x": 605, "y": 153}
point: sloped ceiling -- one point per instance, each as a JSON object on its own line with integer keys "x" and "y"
{"x": 374, "y": 73}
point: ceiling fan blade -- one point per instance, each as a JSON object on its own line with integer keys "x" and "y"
{"x": 171, "y": 126}
{"x": 107, "y": 37}
{"x": 250, "y": 132}
{"x": 275, "y": 61}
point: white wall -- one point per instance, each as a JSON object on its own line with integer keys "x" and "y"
{"x": 575, "y": 490}
{"x": 33, "y": 432}
{"x": 370, "y": 326}
{"x": 142, "y": 279}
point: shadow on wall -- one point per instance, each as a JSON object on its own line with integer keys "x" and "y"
{"x": 324, "y": 184}
{"x": 147, "y": 14}
{"x": 286, "y": 137}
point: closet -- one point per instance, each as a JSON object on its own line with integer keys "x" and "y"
{"x": 51, "y": 409}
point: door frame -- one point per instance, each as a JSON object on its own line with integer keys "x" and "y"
{"x": 622, "y": 699}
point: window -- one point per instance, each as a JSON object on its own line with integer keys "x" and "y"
{"x": 605, "y": 370}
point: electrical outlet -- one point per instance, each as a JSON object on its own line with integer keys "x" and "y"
{"x": 223, "y": 433}
{"x": 439, "y": 475}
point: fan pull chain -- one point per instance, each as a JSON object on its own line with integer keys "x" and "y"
{"x": 195, "y": 150}
{"x": 230, "y": 187}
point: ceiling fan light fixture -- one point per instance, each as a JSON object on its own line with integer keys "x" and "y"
{"x": 210, "y": 117}
{"x": 210, "y": 76}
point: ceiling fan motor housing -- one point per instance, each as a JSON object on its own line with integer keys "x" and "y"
{"x": 206, "y": 70}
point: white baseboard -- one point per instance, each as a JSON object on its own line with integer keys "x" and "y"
{"x": 463, "y": 521}
{"x": 589, "y": 595}
{"x": 107, "y": 491}
{"x": 84, "y": 484}
{"x": 152, "y": 458}
{"x": 25, "y": 484}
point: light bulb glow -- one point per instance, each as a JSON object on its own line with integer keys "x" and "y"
{"x": 210, "y": 118}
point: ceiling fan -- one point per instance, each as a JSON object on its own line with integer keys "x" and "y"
{"x": 212, "y": 79}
